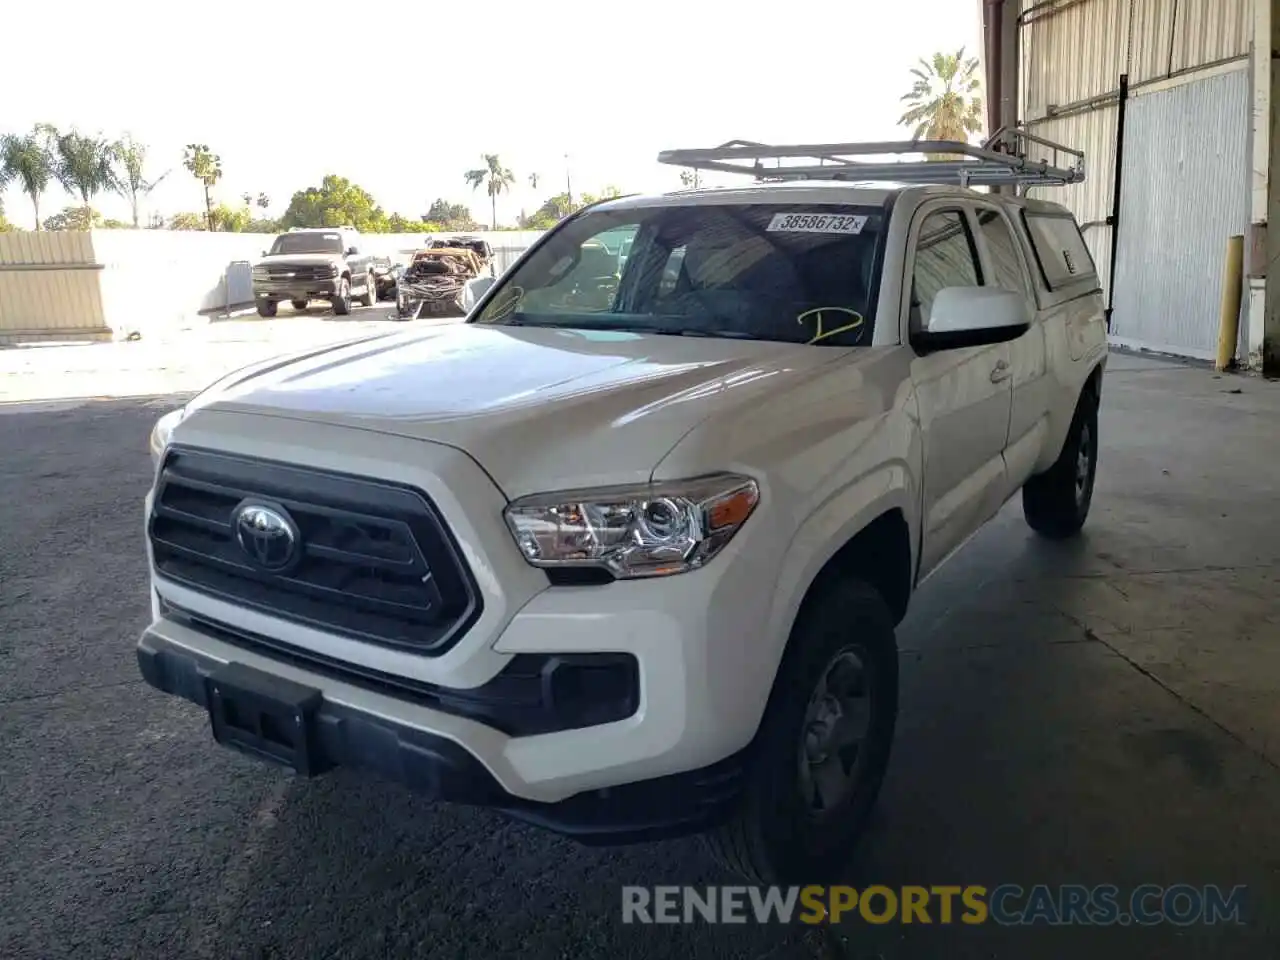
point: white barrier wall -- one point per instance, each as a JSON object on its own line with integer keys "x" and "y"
{"x": 156, "y": 279}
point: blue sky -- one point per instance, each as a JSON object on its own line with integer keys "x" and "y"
{"x": 609, "y": 84}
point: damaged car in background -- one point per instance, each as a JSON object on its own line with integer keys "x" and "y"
{"x": 477, "y": 245}
{"x": 440, "y": 282}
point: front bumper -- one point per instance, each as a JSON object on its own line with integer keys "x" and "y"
{"x": 295, "y": 289}
{"x": 704, "y": 650}
{"x": 438, "y": 767}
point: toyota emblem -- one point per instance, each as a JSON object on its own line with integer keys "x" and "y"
{"x": 267, "y": 535}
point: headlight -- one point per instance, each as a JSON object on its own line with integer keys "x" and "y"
{"x": 644, "y": 531}
{"x": 162, "y": 432}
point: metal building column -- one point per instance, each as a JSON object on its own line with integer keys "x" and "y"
{"x": 1010, "y": 62}
{"x": 1264, "y": 204}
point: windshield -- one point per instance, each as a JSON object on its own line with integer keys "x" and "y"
{"x": 307, "y": 243}
{"x": 794, "y": 273}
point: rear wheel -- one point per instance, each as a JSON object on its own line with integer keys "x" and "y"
{"x": 823, "y": 745}
{"x": 267, "y": 308}
{"x": 342, "y": 302}
{"x": 298, "y": 305}
{"x": 1056, "y": 502}
{"x": 370, "y": 296}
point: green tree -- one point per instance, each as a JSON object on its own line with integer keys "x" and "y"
{"x": 83, "y": 165}
{"x": 943, "y": 102}
{"x": 229, "y": 220}
{"x": 130, "y": 158}
{"x": 337, "y": 202}
{"x": 399, "y": 224}
{"x": 28, "y": 161}
{"x": 450, "y": 216}
{"x": 495, "y": 178}
{"x": 206, "y": 167}
{"x": 5, "y": 225}
{"x": 74, "y": 218}
{"x": 188, "y": 221}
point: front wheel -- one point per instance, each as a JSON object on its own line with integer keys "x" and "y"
{"x": 267, "y": 308}
{"x": 342, "y": 302}
{"x": 370, "y": 296}
{"x": 1056, "y": 502}
{"x": 823, "y": 745}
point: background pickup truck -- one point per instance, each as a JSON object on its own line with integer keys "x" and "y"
{"x": 321, "y": 264}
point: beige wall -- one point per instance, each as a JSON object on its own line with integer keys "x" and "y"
{"x": 50, "y": 288}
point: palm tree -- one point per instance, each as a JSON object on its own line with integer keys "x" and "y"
{"x": 533, "y": 180}
{"x": 131, "y": 158}
{"x": 82, "y": 165}
{"x": 27, "y": 160}
{"x": 943, "y": 102}
{"x": 495, "y": 178}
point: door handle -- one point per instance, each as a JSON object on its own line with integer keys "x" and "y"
{"x": 1000, "y": 372}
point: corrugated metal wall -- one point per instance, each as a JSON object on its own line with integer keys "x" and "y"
{"x": 1072, "y": 55}
{"x": 49, "y": 287}
{"x": 1172, "y": 36}
{"x": 1185, "y": 173}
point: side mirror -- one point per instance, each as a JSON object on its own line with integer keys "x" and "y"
{"x": 352, "y": 252}
{"x": 473, "y": 290}
{"x": 265, "y": 254}
{"x": 973, "y": 317}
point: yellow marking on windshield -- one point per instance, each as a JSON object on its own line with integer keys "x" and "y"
{"x": 822, "y": 333}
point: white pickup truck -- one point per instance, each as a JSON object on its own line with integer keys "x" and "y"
{"x": 622, "y": 555}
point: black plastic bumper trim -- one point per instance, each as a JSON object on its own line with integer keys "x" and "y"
{"x": 655, "y": 809}
{"x": 527, "y": 697}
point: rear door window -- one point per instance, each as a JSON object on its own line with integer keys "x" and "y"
{"x": 1002, "y": 250}
{"x": 1061, "y": 253}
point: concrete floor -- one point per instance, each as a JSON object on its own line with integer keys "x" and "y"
{"x": 1097, "y": 712}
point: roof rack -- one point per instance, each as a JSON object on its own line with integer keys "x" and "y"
{"x": 1002, "y": 160}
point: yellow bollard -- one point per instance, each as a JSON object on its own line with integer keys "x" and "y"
{"x": 1232, "y": 291}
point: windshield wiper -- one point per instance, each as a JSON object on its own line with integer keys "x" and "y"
{"x": 518, "y": 320}
{"x": 711, "y": 334}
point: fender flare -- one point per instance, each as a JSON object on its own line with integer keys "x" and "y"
{"x": 829, "y": 528}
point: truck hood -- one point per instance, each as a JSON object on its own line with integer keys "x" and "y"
{"x": 539, "y": 409}
{"x": 299, "y": 259}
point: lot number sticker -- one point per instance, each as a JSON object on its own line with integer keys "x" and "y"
{"x": 817, "y": 223}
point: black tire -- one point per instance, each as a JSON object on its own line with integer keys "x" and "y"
{"x": 267, "y": 308}
{"x": 298, "y": 305}
{"x": 342, "y": 302}
{"x": 775, "y": 836}
{"x": 1056, "y": 502}
{"x": 370, "y": 295}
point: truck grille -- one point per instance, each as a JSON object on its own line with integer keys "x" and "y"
{"x": 370, "y": 560}
{"x": 300, "y": 272}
